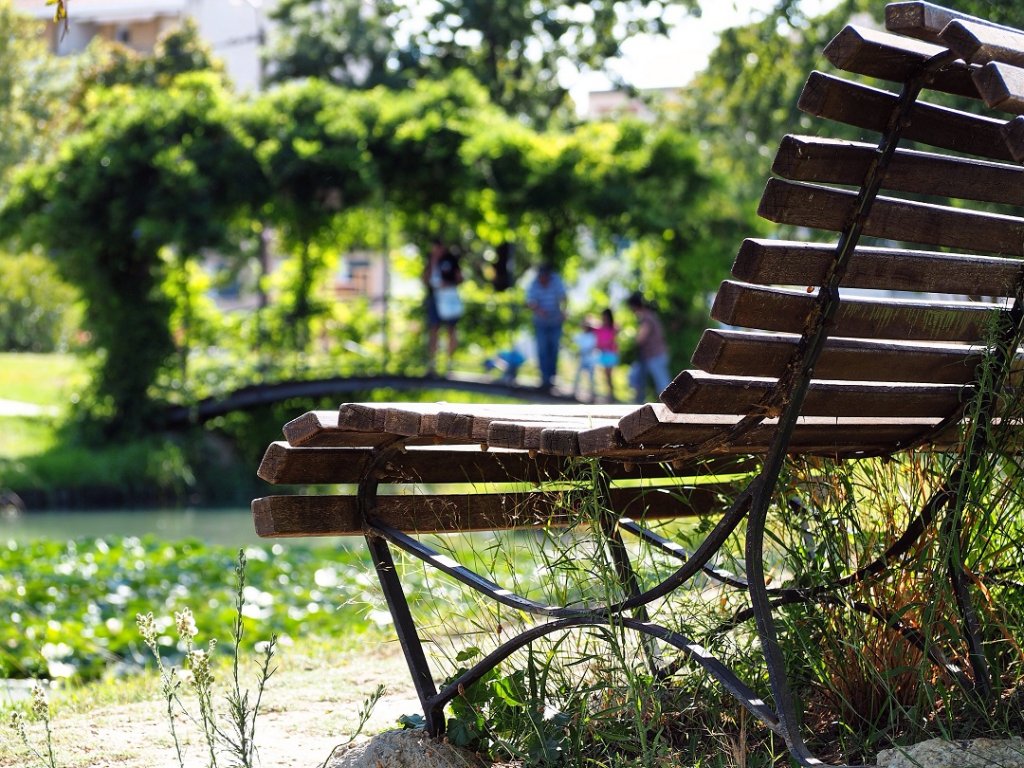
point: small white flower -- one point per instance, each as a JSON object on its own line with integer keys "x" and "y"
{"x": 186, "y": 624}
{"x": 40, "y": 704}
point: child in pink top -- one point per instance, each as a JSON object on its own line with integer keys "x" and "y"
{"x": 607, "y": 349}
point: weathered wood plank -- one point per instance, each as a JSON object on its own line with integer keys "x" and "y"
{"x": 831, "y": 161}
{"x": 812, "y": 205}
{"x": 699, "y": 392}
{"x": 283, "y": 464}
{"x": 788, "y": 262}
{"x": 322, "y": 429}
{"x": 747, "y": 353}
{"x": 470, "y": 421}
{"x": 1013, "y": 135}
{"x": 656, "y": 425}
{"x": 980, "y": 43}
{"x": 874, "y": 53}
{"x": 1002, "y": 87}
{"x": 836, "y": 99}
{"x": 926, "y": 21}
{"x": 529, "y": 435}
{"x": 284, "y": 516}
{"x": 776, "y": 309}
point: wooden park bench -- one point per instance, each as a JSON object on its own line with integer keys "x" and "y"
{"x": 804, "y": 366}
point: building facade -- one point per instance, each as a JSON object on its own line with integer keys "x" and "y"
{"x": 232, "y": 28}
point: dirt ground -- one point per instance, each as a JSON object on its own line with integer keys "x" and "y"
{"x": 308, "y": 708}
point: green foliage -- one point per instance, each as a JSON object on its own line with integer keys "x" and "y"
{"x": 38, "y": 310}
{"x": 178, "y": 51}
{"x": 70, "y": 605}
{"x": 32, "y": 89}
{"x": 160, "y": 169}
{"x": 346, "y": 42}
{"x": 515, "y": 49}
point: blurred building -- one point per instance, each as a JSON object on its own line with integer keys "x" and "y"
{"x": 608, "y": 105}
{"x": 232, "y": 28}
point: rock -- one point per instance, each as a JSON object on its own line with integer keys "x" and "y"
{"x": 404, "y": 749}
{"x": 938, "y": 753}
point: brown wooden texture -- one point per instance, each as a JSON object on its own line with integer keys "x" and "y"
{"x": 1002, "y": 87}
{"x": 322, "y": 429}
{"x": 874, "y": 53}
{"x": 1013, "y": 135}
{"x": 656, "y": 424}
{"x": 980, "y": 43}
{"x": 831, "y": 161}
{"x": 787, "y": 262}
{"x": 284, "y": 516}
{"x": 575, "y": 415}
{"x": 286, "y": 465}
{"x": 925, "y": 21}
{"x": 746, "y": 353}
{"x": 774, "y": 309}
{"x": 864, "y": 107}
{"x": 529, "y": 435}
{"x": 812, "y": 205}
{"x": 699, "y": 392}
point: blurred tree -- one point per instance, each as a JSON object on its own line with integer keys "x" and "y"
{"x": 350, "y": 43}
{"x": 181, "y": 49}
{"x": 515, "y": 48}
{"x": 33, "y": 87}
{"x": 152, "y": 177}
{"x": 38, "y": 310}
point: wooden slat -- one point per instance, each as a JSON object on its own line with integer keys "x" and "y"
{"x": 746, "y": 353}
{"x": 655, "y": 424}
{"x": 529, "y": 435}
{"x": 1013, "y": 135}
{"x": 322, "y": 429}
{"x": 699, "y": 392}
{"x": 981, "y": 43}
{"x": 775, "y": 309}
{"x": 871, "y": 52}
{"x": 812, "y": 205}
{"x": 788, "y": 262}
{"x": 470, "y": 421}
{"x": 284, "y": 516}
{"x": 1002, "y": 87}
{"x": 926, "y": 21}
{"x": 480, "y": 426}
{"x": 286, "y": 465}
{"x": 831, "y": 161}
{"x": 869, "y": 108}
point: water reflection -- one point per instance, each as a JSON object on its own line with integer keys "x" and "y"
{"x": 230, "y": 527}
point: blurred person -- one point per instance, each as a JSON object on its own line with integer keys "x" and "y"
{"x": 442, "y": 304}
{"x": 651, "y": 351}
{"x": 546, "y": 298}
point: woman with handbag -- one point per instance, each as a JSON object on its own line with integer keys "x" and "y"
{"x": 443, "y": 305}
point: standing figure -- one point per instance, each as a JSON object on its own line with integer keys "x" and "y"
{"x": 546, "y": 299}
{"x": 607, "y": 349}
{"x": 651, "y": 351}
{"x": 442, "y": 305}
{"x": 586, "y": 351}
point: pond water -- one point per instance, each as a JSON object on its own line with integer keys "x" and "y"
{"x": 230, "y": 527}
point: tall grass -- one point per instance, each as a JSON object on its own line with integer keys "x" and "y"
{"x": 876, "y": 661}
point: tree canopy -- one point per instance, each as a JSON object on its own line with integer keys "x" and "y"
{"x": 515, "y": 48}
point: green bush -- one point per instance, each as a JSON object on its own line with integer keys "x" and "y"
{"x": 38, "y": 310}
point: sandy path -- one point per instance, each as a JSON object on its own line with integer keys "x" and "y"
{"x": 309, "y": 707}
